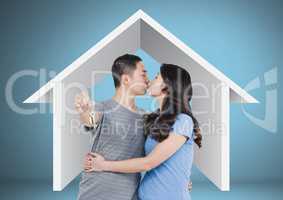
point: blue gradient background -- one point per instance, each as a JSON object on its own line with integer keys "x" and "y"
{"x": 242, "y": 38}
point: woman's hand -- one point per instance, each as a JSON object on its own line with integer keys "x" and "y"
{"x": 88, "y": 161}
{"x": 94, "y": 162}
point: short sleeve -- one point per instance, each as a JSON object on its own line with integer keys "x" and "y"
{"x": 98, "y": 107}
{"x": 183, "y": 125}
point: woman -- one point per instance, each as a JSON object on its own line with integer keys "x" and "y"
{"x": 170, "y": 133}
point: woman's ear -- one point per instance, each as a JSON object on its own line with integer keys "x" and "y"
{"x": 164, "y": 88}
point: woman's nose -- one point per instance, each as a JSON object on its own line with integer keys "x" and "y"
{"x": 150, "y": 83}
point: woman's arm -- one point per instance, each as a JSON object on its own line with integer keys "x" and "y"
{"x": 159, "y": 154}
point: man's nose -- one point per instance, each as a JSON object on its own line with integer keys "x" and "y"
{"x": 147, "y": 81}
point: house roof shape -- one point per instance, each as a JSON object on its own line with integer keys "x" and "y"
{"x": 140, "y": 31}
{"x": 144, "y": 32}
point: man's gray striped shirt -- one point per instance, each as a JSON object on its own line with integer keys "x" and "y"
{"x": 121, "y": 138}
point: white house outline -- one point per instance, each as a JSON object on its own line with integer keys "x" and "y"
{"x": 139, "y": 31}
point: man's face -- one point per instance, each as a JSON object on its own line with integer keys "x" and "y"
{"x": 138, "y": 81}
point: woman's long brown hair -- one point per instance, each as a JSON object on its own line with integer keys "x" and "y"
{"x": 179, "y": 93}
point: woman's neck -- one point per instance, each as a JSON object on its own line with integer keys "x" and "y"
{"x": 160, "y": 101}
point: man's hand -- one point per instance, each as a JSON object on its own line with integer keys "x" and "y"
{"x": 84, "y": 107}
{"x": 83, "y": 103}
{"x": 94, "y": 162}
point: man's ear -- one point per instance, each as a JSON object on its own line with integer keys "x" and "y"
{"x": 125, "y": 79}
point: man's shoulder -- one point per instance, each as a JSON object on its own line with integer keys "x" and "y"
{"x": 99, "y": 106}
{"x": 142, "y": 111}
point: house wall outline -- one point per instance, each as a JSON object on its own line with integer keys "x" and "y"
{"x": 141, "y": 31}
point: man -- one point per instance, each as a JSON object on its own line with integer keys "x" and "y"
{"x": 121, "y": 132}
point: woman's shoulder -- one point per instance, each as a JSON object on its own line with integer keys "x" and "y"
{"x": 183, "y": 117}
{"x": 183, "y": 125}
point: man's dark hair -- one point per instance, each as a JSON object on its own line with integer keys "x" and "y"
{"x": 124, "y": 64}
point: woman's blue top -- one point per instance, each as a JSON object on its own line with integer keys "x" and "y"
{"x": 171, "y": 178}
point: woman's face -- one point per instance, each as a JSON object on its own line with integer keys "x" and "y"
{"x": 155, "y": 86}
